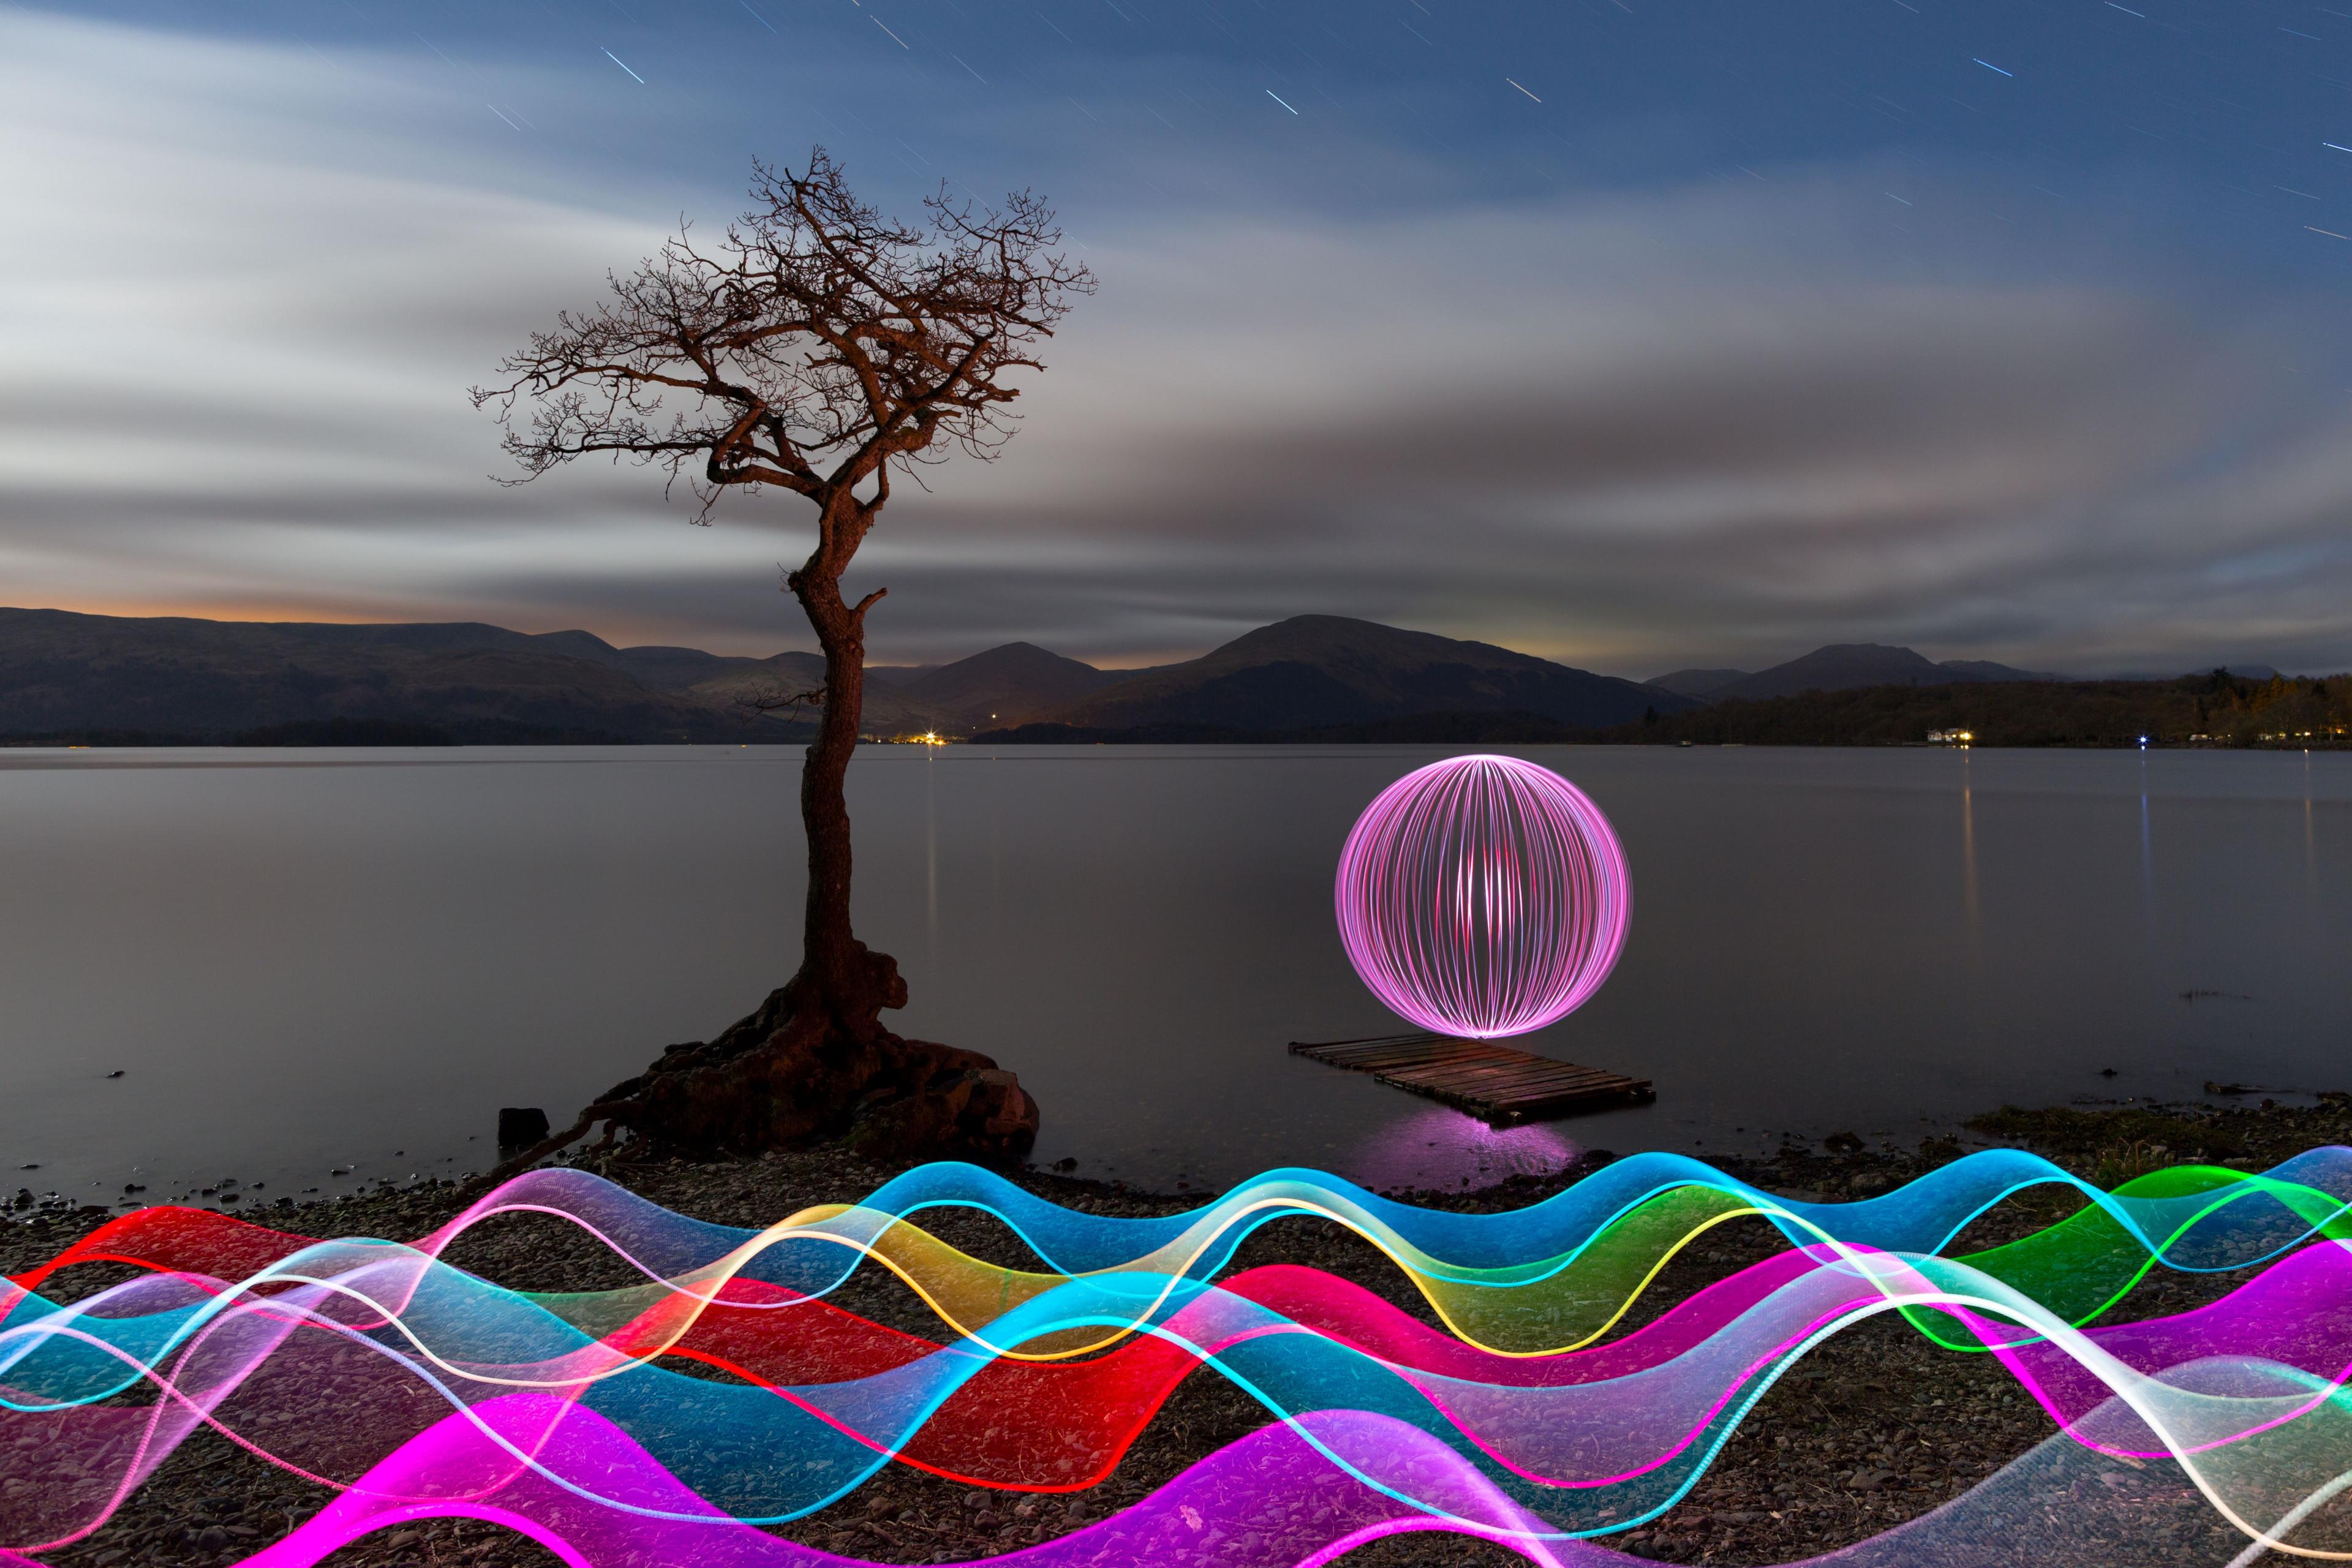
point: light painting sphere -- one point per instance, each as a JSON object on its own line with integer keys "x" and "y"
{"x": 1482, "y": 897}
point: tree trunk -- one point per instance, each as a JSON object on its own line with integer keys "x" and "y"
{"x": 838, "y": 977}
{"x": 814, "y": 1061}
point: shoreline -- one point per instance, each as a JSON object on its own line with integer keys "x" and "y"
{"x": 1860, "y": 1441}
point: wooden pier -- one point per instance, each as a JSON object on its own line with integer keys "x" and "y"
{"x": 1494, "y": 1083}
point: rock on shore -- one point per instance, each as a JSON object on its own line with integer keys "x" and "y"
{"x": 772, "y": 1081}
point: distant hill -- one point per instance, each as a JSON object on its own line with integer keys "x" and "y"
{"x": 1009, "y": 685}
{"x": 896, "y": 674}
{"x": 138, "y": 681}
{"x": 1698, "y": 682}
{"x": 887, "y": 709}
{"x": 1985, "y": 669}
{"x": 654, "y": 669}
{"x": 179, "y": 678}
{"x": 175, "y": 678}
{"x": 1843, "y": 666}
{"x": 171, "y": 677}
{"x": 1318, "y": 671}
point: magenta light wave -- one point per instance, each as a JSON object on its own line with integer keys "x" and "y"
{"x": 1483, "y": 896}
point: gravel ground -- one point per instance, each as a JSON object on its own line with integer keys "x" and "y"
{"x": 1876, "y": 1427}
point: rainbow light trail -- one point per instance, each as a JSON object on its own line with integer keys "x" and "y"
{"x": 1483, "y": 896}
{"x": 670, "y": 1419}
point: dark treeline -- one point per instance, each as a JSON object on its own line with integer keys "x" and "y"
{"x": 1456, "y": 729}
{"x": 2217, "y": 709}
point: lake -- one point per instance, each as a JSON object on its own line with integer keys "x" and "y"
{"x": 300, "y": 960}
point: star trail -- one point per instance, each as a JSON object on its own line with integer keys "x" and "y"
{"x": 1697, "y": 331}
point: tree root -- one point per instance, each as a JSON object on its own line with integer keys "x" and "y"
{"x": 789, "y": 1076}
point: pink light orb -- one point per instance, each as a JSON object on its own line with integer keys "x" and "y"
{"x": 1482, "y": 897}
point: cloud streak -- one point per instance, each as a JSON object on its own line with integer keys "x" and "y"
{"x": 1706, "y": 421}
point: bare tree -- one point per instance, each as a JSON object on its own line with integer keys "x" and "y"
{"x": 817, "y": 349}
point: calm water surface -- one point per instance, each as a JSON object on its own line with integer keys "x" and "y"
{"x": 302, "y": 960}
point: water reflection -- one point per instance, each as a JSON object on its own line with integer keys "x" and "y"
{"x": 1436, "y": 1147}
{"x": 931, "y": 857}
{"x": 1969, "y": 859}
{"x": 303, "y": 963}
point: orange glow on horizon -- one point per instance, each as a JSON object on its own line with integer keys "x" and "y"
{"x": 789, "y": 632}
{"x": 243, "y": 612}
{"x": 347, "y": 614}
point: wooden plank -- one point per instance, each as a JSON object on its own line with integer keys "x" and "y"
{"x": 1497, "y": 1075}
{"x": 1545, "y": 1094}
{"x": 1486, "y": 1087}
{"x": 1516, "y": 1097}
{"x": 1513, "y": 1073}
{"x": 1445, "y": 1064}
{"x": 1406, "y": 1057}
{"x": 1384, "y": 1048}
{"x": 1496, "y": 1082}
{"x": 1520, "y": 1094}
{"x": 1576, "y": 1079}
{"x": 1550, "y": 1083}
{"x": 1579, "y": 1092}
{"x": 1547, "y": 1084}
{"x": 1362, "y": 1054}
{"x": 1312, "y": 1048}
{"x": 1627, "y": 1089}
{"x": 1376, "y": 1047}
{"x": 1519, "y": 1066}
{"x": 1631, "y": 1089}
{"x": 1384, "y": 1061}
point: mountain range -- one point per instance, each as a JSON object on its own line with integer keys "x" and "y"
{"x": 1316, "y": 670}
{"x": 1841, "y": 667}
{"x": 65, "y": 674}
{"x": 1014, "y": 684}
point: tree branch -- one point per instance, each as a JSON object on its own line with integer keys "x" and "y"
{"x": 816, "y": 343}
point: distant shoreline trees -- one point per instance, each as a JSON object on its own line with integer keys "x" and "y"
{"x": 2219, "y": 710}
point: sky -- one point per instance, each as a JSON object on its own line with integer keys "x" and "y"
{"x": 1633, "y": 334}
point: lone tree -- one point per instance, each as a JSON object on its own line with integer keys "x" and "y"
{"x": 816, "y": 349}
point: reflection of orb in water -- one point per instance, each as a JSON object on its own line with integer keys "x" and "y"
{"x": 1435, "y": 1147}
{"x": 1483, "y": 896}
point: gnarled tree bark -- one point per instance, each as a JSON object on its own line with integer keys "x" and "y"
{"x": 817, "y": 349}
